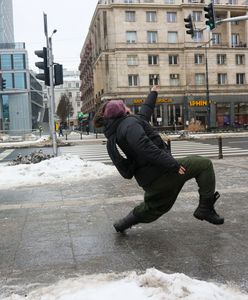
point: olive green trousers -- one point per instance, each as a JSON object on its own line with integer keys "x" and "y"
{"x": 162, "y": 193}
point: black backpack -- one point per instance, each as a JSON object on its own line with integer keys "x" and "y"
{"x": 125, "y": 166}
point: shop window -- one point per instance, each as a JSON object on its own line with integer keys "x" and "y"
{"x": 241, "y": 114}
{"x": 223, "y": 114}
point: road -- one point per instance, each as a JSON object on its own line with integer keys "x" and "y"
{"x": 97, "y": 152}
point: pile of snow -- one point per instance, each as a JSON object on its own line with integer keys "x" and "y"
{"x": 153, "y": 285}
{"x": 62, "y": 169}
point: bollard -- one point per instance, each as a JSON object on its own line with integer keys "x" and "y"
{"x": 66, "y": 136}
{"x": 169, "y": 145}
{"x": 220, "y": 147}
{"x": 81, "y": 135}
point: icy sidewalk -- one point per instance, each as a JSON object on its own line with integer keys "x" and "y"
{"x": 61, "y": 228}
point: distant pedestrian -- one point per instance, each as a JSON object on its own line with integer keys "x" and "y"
{"x": 150, "y": 162}
{"x": 61, "y": 130}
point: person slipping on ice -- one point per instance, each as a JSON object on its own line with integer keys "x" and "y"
{"x": 159, "y": 174}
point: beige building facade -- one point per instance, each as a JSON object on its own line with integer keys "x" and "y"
{"x": 133, "y": 44}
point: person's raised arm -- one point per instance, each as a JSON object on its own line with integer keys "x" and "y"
{"x": 148, "y": 106}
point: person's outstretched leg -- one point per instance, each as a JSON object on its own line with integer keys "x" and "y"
{"x": 202, "y": 170}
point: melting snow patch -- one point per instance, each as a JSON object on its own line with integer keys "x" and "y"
{"x": 153, "y": 285}
{"x": 61, "y": 169}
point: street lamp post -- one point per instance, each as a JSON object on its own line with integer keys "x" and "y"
{"x": 207, "y": 83}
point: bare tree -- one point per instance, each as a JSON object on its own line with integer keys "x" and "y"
{"x": 65, "y": 108}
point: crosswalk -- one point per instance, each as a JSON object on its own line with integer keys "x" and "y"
{"x": 5, "y": 153}
{"x": 178, "y": 148}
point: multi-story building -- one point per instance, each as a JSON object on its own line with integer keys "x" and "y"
{"x": 21, "y": 102}
{"x": 137, "y": 43}
{"x": 6, "y": 22}
{"x": 70, "y": 88}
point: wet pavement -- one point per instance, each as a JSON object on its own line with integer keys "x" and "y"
{"x": 53, "y": 232}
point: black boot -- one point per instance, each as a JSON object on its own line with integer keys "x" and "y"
{"x": 206, "y": 211}
{"x": 125, "y": 223}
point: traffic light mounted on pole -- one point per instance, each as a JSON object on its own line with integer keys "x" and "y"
{"x": 43, "y": 65}
{"x": 210, "y": 16}
{"x": 2, "y": 83}
{"x": 189, "y": 25}
{"x": 58, "y": 74}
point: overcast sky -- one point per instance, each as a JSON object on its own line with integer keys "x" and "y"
{"x": 70, "y": 18}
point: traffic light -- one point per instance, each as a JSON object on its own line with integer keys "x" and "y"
{"x": 189, "y": 25}
{"x": 43, "y": 65}
{"x": 210, "y": 16}
{"x": 2, "y": 83}
{"x": 58, "y": 74}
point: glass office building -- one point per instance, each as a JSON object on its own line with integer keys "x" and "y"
{"x": 21, "y": 102}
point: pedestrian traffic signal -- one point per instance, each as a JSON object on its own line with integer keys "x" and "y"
{"x": 58, "y": 74}
{"x": 189, "y": 25}
{"x": 210, "y": 16}
{"x": 45, "y": 76}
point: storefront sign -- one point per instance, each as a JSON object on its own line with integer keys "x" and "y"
{"x": 198, "y": 103}
{"x": 159, "y": 100}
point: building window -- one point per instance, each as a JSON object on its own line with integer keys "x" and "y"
{"x": 20, "y": 80}
{"x": 169, "y": 1}
{"x": 148, "y": 1}
{"x": 152, "y": 37}
{"x": 153, "y": 79}
{"x": 5, "y": 108}
{"x": 70, "y": 94}
{"x": 152, "y": 59}
{"x": 133, "y": 79}
{"x": 130, "y": 16}
{"x": 221, "y": 59}
{"x": 240, "y": 78}
{"x": 6, "y": 62}
{"x": 9, "y": 80}
{"x": 77, "y": 84}
{"x": 216, "y": 38}
{"x": 78, "y": 104}
{"x": 19, "y": 61}
{"x": 197, "y": 16}
{"x": 199, "y": 79}
{"x": 172, "y": 37}
{"x": 128, "y": 1}
{"x": 131, "y": 37}
{"x": 222, "y": 78}
{"x": 173, "y": 59}
{"x": 199, "y": 59}
{"x": 151, "y": 16}
{"x": 235, "y": 39}
{"x": 171, "y": 17}
{"x": 198, "y": 36}
{"x": 241, "y": 113}
{"x": 132, "y": 60}
{"x": 240, "y": 59}
{"x": 174, "y": 79}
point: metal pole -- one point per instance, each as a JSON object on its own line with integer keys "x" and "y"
{"x": 50, "y": 59}
{"x": 220, "y": 147}
{"x": 51, "y": 89}
{"x": 207, "y": 87}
